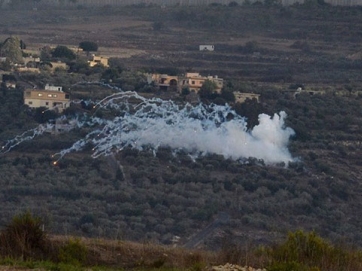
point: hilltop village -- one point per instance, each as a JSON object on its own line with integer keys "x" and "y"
{"x": 20, "y": 64}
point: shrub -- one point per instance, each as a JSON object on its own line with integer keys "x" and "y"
{"x": 73, "y": 252}
{"x": 307, "y": 251}
{"x": 24, "y": 238}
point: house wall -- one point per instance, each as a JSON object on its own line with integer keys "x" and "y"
{"x": 50, "y": 99}
{"x": 26, "y": 69}
{"x": 194, "y": 81}
{"x": 241, "y": 97}
{"x": 58, "y": 65}
{"x": 53, "y": 88}
{"x": 98, "y": 60}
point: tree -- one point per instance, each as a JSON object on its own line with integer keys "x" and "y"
{"x": 227, "y": 95}
{"x": 88, "y": 46}
{"x": 185, "y": 91}
{"x": 6, "y": 65}
{"x": 110, "y": 75}
{"x": 207, "y": 89}
{"x": 22, "y": 45}
{"x": 80, "y": 66}
{"x": 12, "y": 50}
{"x": 233, "y": 4}
{"x": 251, "y": 110}
{"x": 270, "y": 3}
{"x": 43, "y": 114}
{"x": 45, "y": 53}
{"x": 23, "y": 237}
{"x": 62, "y": 51}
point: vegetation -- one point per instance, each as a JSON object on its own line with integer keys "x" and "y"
{"x": 23, "y": 237}
{"x": 156, "y": 197}
{"x": 88, "y": 46}
{"x": 90, "y": 197}
{"x": 62, "y": 51}
{"x": 300, "y": 251}
{"x": 11, "y": 48}
{"x": 307, "y": 251}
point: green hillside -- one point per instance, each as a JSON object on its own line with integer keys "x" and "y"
{"x": 265, "y": 49}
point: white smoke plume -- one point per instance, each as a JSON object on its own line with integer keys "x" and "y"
{"x": 142, "y": 123}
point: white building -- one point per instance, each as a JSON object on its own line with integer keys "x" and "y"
{"x": 206, "y": 47}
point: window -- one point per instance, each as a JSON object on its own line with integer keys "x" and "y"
{"x": 54, "y": 95}
{"x": 47, "y": 103}
{"x": 193, "y": 82}
{"x": 27, "y": 94}
{"x": 30, "y": 102}
{"x": 40, "y": 94}
{"x": 66, "y": 96}
{"x": 49, "y": 95}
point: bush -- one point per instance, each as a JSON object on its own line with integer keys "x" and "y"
{"x": 307, "y": 251}
{"x": 73, "y": 252}
{"x": 24, "y": 238}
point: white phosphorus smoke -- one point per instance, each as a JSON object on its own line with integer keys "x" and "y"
{"x": 148, "y": 124}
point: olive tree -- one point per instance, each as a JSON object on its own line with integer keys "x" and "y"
{"x": 88, "y": 46}
{"x": 62, "y": 51}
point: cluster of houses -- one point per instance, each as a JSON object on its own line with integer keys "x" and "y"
{"x": 33, "y": 64}
{"x": 54, "y": 98}
{"x": 51, "y": 97}
{"x": 193, "y": 82}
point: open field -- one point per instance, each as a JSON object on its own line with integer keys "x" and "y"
{"x": 328, "y": 52}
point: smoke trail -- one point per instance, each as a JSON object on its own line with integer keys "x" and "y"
{"x": 28, "y": 135}
{"x": 134, "y": 121}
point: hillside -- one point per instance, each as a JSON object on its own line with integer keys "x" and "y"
{"x": 268, "y": 50}
{"x": 25, "y": 246}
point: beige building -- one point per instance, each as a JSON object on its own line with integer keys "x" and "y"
{"x": 58, "y": 64}
{"x": 56, "y": 100}
{"x": 26, "y": 69}
{"x": 241, "y": 97}
{"x": 96, "y": 60}
{"x": 194, "y": 81}
{"x": 163, "y": 81}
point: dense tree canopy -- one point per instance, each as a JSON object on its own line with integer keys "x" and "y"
{"x": 11, "y": 48}
{"x": 62, "y": 51}
{"x": 88, "y": 46}
{"x": 207, "y": 90}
